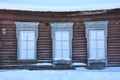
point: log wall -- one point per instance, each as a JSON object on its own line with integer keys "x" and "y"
{"x": 8, "y": 41}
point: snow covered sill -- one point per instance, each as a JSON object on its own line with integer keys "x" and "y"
{"x": 46, "y": 64}
{"x": 43, "y": 64}
{"x": 37, "y": 64}
{"x": 79, "y": 64}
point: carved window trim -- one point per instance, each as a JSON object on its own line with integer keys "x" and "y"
{"x": 26, "y": 26}
{"x": 96, "y": 25}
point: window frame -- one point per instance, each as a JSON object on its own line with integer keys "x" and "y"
{"x": 26, "y": 26}
{"x": 96, "y": 41}
{"x": 61, "y": 26}
{"x": 61, "y": 43}
{"x": 96, "y": 25}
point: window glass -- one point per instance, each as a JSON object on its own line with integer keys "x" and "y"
{"x": 62, "y": 45}
{"x": 31, "y": 35}
{"x": 58, "y": 35}
{"x": 58, "y": 54}
{"x": 58, "y": 44}
{"x": 31, "y": 45}
{"x": 66, "y": 54}
{"x": 23, "y": 35}
{"x": 65, "y": 45}
{"x": 23, "y": 45}
{"x": 96, "y": 44}
{"x": 65, "y": 35}
{"x": 27, "y": 45}
{"x": 31, "y": 54}
{"x": 23, "y": 54}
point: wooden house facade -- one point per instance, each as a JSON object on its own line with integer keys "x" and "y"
{"x": 34, "y": 39}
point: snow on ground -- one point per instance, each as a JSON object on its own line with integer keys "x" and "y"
{"x": 111, "y": 73}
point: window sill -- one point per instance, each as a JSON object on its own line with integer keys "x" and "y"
{"x": 26, "y": 60}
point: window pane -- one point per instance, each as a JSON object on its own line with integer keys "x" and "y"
{"x": 100, "y": 34}
{"x": 31, "y": 45}
{"x": 93, "y": 53}
{"x": 23, "y": 35}
{"x": 31, "y": 54}
{"x": 66, "y": 55}
{"x": 31, "y": 35}
{"x": 58, "y": 54}
{"x": 65, "y": 44}
{"x": 23, "y": 54}
{"x": 58, "y": 44}
{"x": 65, "y": 35}
{"x": 58, "y": 35}
{"x": 23, "y": 45}
{"x": 27, "y": 44}
{"x": 101, "y": 53}
{"x": 96, "y": 44}
{"x": 100, "y": 44}
{"x": 92, "y": 35}
{"x": 62, "y": 45}
{"x": 93, "y": 44}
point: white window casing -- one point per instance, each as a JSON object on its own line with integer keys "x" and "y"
{"x": 96, "y": 34}
{"x": 27, "y": 34}
{"x": 62, "y": 33}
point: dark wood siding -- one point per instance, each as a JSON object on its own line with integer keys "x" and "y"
{"x": 79, "y": 43}
{"x": 8, "y": 51}
{"x": 114, "y": 43}
{"x": 8, "y": 42}
{"x": 44, "y": 44}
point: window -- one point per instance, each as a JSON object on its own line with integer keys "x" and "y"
{"x": 96, "y": 44}
{"x": 27, "y": 34}
{"x": 96, "y": 34}
{"x": 62, "y": 41}
{"x": 62, "y": 45}
{"x": 27, "y": 44}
